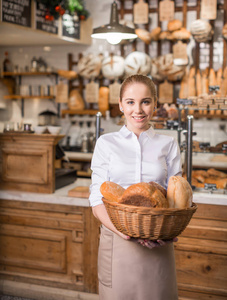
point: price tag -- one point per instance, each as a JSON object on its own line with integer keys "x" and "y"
{"x": 165, "y": 92}
{"x": 140, "y": 12}
{"x": 208, "y": 9}
{"x": 114, "y": 93}
{"x": 92, "y": 92}
{"x": 61, "y": 93}
{"x": 180, "y": 56}
{"x": 166, "y": 10}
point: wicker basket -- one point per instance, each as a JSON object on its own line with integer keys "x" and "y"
{"x": 149, "y": 223}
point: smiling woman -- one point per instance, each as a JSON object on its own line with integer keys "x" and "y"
{"x": 137, "y": 101}
{"x": 130, "y": 268}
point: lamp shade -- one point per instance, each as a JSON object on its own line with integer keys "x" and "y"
{"x": 114, "y": 32}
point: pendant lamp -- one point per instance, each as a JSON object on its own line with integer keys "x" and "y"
{"x": 114, "y": 32}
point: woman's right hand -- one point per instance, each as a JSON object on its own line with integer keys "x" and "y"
{"x": 154, "y": 244}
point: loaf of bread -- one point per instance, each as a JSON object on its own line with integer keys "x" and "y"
{"x": 159, "y": 187}
{"x": 144, "y": 194}
{"x": 112, "y": 191}
{"x": 137, "y": 63}
{"x": 89, "y": 66}
{"x": 179, "y": 193}
{"x": 113, "y": 67}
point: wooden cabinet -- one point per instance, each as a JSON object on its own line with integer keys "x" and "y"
{"x": 201, "y": 255}
{"x": 27, "y": 162}
{"x": 49, "y": 245}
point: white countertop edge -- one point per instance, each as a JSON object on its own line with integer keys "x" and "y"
{"x": 206, "y": 198}
{"x": 59, "y": 197}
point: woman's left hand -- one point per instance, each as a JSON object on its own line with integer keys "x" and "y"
{"x": 154, "y": 244}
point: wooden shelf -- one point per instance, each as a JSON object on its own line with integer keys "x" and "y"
{"x": 208, "y": 116}
{"x": 28, "y": 73}
{"x": 27, "y": 97}
{"x": 80, "y": 112}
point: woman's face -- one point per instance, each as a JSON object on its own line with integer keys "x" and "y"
{"x": 138, "y": 106}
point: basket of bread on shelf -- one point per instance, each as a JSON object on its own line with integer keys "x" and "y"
{"x": 147, "y": 210}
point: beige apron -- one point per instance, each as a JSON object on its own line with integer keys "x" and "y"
{"x": 129, "y": 271}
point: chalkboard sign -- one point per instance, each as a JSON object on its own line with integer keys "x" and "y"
{"x": 41, "y": 23}
{"x": 70, "y": 27}
{"x": 17, "y": 12}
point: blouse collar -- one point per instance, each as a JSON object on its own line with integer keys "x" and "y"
{"x": 125, "y": 132}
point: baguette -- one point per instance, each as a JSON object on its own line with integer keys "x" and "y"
{"x": 179, "y": 193}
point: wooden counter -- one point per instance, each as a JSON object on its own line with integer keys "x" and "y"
{"x": 52, "y": 240}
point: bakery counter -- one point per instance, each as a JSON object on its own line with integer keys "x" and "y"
{"x": 48, "y": 240}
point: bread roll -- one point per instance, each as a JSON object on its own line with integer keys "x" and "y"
{"x": 144, "y": 194}
{"x": 174, "y": 25}
{"x": 214, "y": 172}
{"x": 182, "y": 34}
{"x": 144, "y": 35}
{"x": 220, "y": 183}
{"x": 154, "y": 34}
{"x": 68, "y": 74}
{"x": 159, "y": 187}
{"x": 179, "y": 193}
{"x": 112, "y": 191}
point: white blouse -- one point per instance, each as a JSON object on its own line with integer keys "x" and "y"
{"x": 123, "y": 158}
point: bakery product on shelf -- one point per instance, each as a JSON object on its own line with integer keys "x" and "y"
{"x": 179, "y": 192}
{"x": 144, "y": 35}
{"x": 224, "y": 31}
{"x": 201, "y": 30}
{"x": 144, "y": 194}
{"x": 137, "y": 63}
{"x": 112, "y": 191}
{"x": 113, "y": 67}
{"x": 181, "y": 34}
{"x": 154, "y": 34}
{"x": 216, "y": 173}
{"x": 174, "y": 25}
{"x": 89, "y": 66}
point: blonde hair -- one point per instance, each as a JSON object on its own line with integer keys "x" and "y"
{"x": 138, "y": 78}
